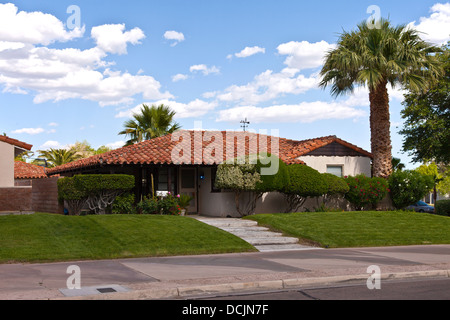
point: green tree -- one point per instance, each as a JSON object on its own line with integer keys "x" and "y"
{"x": 376, "y": 57}
{"x": 426, "y": 128}
{"x": 57, "y": 157}
{"x": 151, "y": 122}
{"x": 440, "y": 175}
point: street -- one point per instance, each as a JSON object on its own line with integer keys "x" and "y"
{"x": 411, "y": 289}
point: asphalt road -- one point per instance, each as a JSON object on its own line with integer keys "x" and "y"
{"x": 411, "y": 289}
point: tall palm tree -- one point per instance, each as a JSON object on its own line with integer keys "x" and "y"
{"x": 151, "y": 122}
{"x": 376, "y": 57}
{"x": 57, "y": 157}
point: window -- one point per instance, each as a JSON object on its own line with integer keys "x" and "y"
{"x": 166, "y": 179}
{"x": 336, "y": 170}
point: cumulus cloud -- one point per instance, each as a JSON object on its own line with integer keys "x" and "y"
{"x": 267, "y": 86}
{"x": 195, "y": 108}
{"x": 31, "y": 131}
{"x": 113, "y": 39}
{"x": 204, "y": 69}
{"x": 175, "y": 36}
{"x": 33, "y": 27}
{"x": 27, "y": 65}
{"x": 304, "y": 55}
{"x": 305, "y": 112}
{"x": 179, "y": 77}
{"x": 436, "y": 27}
{"x": 248, "y": 51}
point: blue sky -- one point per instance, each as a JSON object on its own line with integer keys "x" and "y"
{"x": 66, "y": 77}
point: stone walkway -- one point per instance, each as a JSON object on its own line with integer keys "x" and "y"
{"x": 261, "y": 238}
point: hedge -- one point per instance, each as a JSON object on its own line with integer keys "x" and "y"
{"x": 98, "y": 191}
{"x": 443, "y": 207}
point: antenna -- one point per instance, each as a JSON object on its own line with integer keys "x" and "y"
{"x": 245, "y": 124}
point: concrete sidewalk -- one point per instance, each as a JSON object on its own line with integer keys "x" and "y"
{"x": 184, "y": 276}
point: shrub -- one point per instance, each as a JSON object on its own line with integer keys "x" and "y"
{"x": 148, "y": 205}
{"x": 443, "y": 207}
{"x": 169, "y": 205}
{"x": 364, "y": 191}
{"x": 248, "y": 174}
{"x": 124, "y": 204}
{"x": 408, "y": 187}
{"x": 336, "y": 185}
{"x": 98, "y": 191}
{"x": 303, "y": 182}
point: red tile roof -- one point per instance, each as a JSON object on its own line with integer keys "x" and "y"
{"x": 16, "y": 143}
{"x": 24, "y": 170}
{"x": 170, "y": 149}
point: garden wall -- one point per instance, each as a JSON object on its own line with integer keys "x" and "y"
{"x": 45, "y": 196}
{"x": 15, "y": 199}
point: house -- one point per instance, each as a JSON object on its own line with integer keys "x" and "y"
{"x": 9, "y": 149}
{"x": 25, "y": 173}
{"x": 12, "y": 198}
{"x": 186, "y": 162}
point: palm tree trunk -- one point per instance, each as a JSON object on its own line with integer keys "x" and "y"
{"x": 380, "y": 131}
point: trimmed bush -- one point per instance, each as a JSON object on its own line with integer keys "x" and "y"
{"x": 303, "y": 182}
{"x": 98, "y": 191}
{"x": 365, "y": 191}
{"x": 443, "y": 207}
{"x": 336, "y": 185}
{"x": 408, "y": 186}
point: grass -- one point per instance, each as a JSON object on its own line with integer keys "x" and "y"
{"x": 361, "y": 229}
{"x": 44, "y": 237}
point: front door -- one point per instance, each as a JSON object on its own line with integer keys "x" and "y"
{"x": 188, "y": 185}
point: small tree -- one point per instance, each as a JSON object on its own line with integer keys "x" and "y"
{"x": 303, "y": 182}
{"x": 244, "y": 176}
{"x": 408, "y": 186}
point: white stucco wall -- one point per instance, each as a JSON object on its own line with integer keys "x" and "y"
{"x": 6, "y": 165}
{"x": 351, "y": 165}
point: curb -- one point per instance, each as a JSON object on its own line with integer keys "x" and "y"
{"x": 229, "y": 288}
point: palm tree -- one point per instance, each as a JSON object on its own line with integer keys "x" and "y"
{"x": 57, "y": 157}
{"x": 376, "y": 57}
{"x": 151, "y": 122}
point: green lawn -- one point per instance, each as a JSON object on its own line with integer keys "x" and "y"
{"x": 46, "y": 237}
{"x": 360, "y": 229}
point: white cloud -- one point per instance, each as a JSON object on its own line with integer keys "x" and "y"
{"x": 195, "y": 108}
{"x": 249, "y": 51}
{"x": 51, "y": 144}
{"x": 267, "y": 86}
{"x": 115, "y": 145}
{"x": 68, "y": 73}
{"x": 112, "y": 38}
{"x": 304, "y": 55}
{"x": 33, "y": 27}
{"x": 179, "y": 77}
{"x": 305, "y": 112}
{"x": 175, "y": 36}
{"x": 204, "y": 69}
{"x": 436, "y": 27}
{"x": 32, "y": 131}
{"x": 53, "y": 124}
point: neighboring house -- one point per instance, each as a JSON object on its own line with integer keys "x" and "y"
{"x": 9, "y": 149}
{"x": 12, "y": 198}
{"x": 186, "y": 162}
{"x": 25, "y": 173}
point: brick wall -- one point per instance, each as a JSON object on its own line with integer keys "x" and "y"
{"x": 45, "y": 196}
{"x": 16, "y": 199}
